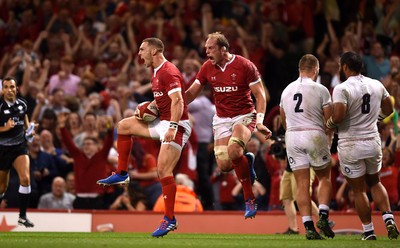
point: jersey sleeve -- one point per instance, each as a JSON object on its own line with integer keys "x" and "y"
{"x": 326, "y": 97}
{"x": 172, "y": 82}
{"x": 201, "y": 75}
{"x": 385, "y": 93}
{"x": 339, "y": 94}
{"x": 283, "y": 96}
{"x": 252, "y": 73}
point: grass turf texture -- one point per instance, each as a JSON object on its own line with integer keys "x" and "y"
{"x": 174, "y": 240}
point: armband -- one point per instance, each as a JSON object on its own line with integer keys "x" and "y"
{"x": 381, "y": 116}
{"x": 330, "y": 124}
{"x": 173, "y": 125}
{"x": 260, "y": 118}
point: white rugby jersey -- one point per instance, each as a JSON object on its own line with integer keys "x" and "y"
{"x": 303, "y": 101}
{"x": 363, "y": 97}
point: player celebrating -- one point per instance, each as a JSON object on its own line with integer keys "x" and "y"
{"x": 233, "y": 79}
{"x": 172, "y": 128}
{"x": 304, "y": 108}
{"x": 358, "y": 102}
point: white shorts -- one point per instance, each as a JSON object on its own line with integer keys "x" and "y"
{"x": 158, "y": 129}
{"x": 307, "y": 148}
{"x": 360, "y": 156}
{"x": 223, "y": 126}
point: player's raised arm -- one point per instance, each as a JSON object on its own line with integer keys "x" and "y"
{"x": 193, "y": 91}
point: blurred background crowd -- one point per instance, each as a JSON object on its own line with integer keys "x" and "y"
{"x": 76, "y": 64}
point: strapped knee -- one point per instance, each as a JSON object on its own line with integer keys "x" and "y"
{"x": 234, "y": 140}
{"x": 221, "y": 152}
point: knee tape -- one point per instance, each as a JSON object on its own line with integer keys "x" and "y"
{"x": 237, "y": 141}
{"x": 221, "y": 152}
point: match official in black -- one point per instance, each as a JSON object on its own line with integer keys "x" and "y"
{"x": 14, "y": 133}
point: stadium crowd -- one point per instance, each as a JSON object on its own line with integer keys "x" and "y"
{"x": 77, "y": 66}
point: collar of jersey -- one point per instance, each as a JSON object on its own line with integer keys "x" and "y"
{"x": 10, "y": 103}
{"x": 227, "y": 63}
{"x": 158, "y": 68}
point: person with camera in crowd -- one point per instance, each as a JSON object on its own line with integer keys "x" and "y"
{"x": 288, "y": 186}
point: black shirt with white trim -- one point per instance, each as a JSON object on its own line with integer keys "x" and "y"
{"x": 15, "y": 111}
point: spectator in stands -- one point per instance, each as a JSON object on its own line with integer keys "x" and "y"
{"x": 65, "y": 79}
{"x": 189, "y": 70}
{"x": 89, "y": 128}
{"x": 377, "y": 65}
{"x": 389, "y": 175}
{"x": 225, "y": 181}
{"x": 394, "y": 64}
{"x": 56, "y": 102}
{"x": 185, "y": 200}
{"x": 345, "y": 197}
{"x": 43, "y": 165}
{"x": 260, "y": 193}
{"x": 132, "y": 199}
{"x": 386, "y": 134}
{"x": 90, "y": 163}
{"x": 202, "y": 111}
{"x": 144, "y": 170}
{"x": 61, "y": 22}
{"x": 276, "y": 169}
{"x": 114, "y": 52}
{"x": 49, "y": 122}
{"x": 74, "y": 124}
{"x": 70, "y": 182}
{"x": 58, "y": 198}
{"x": 62, "y": 161}
{"x": 33, "y": 82}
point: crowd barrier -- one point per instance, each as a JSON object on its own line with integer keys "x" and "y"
{"x": 206, "y": 222}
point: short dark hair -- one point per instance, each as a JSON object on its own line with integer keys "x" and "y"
{"x": 8, "y": 78}
{"x": 155, "y": 42}
{"x": 352, "y": 60}
{"x": 94, "y": 139}
{"x": 56, "y": 90}
{"x": 49, "y": 113}
{"x": 90, "y": 113}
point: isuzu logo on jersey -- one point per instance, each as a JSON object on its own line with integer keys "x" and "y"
{"x": 157, "y": 93}
{"x": 226, "y": 89}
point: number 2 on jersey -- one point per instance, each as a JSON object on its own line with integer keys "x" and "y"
{"x": 299, "y": 98}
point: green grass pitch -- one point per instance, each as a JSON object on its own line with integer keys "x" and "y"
{"x": 175, "y": 240}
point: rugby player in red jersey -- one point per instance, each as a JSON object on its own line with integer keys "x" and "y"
{"x": 233, "y": 79}
{"x": 172, "y": 129}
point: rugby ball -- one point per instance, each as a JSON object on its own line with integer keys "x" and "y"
{"x": 147, "y": 111}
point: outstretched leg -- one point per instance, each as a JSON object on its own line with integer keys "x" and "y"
{"x": 126, "y": 128}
